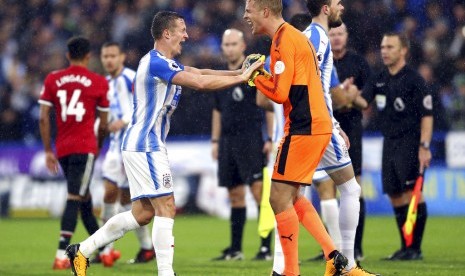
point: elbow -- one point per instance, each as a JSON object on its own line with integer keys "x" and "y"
{"x": 280, "y": 99}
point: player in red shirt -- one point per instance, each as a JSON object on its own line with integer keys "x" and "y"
{"x": 78, "y": 96}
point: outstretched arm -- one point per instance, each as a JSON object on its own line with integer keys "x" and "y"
{"x": 193, "y": 78}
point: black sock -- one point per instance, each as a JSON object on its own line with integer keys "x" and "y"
{"x": 401, "y": 217}
{"x": 422, "y": 215}
{"x": 68, "y": 223}
{"x": 237, "y": 221}
{"x": 360, "y": 227}
{"x": 88, "y": 218}
{"x": 265, "y": 242}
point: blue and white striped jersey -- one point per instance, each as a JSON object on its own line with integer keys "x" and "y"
{"x": 155, "y": 99}
{"x": 120, "y": 95}
{"x": 320, "y": 40}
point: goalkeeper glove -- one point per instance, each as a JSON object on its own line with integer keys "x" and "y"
{"x": 250, "y": 59}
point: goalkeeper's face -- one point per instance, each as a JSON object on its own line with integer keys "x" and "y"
{"x": 254, "y": 16}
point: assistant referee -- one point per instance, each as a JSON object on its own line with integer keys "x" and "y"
{"x": 405, "y": 106}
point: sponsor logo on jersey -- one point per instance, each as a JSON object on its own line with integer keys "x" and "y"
{"x": 380, "y": 84}
{"x": 237, "y": 94}
{"x": 399, "y": 104}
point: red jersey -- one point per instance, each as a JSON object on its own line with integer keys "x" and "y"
{"x": 75, "y": 93}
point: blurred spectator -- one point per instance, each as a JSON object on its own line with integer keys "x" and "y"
{"x": 33, "y": 33}
{"x": 456, "y": 104}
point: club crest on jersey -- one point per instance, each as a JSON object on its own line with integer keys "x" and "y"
{"x": 167, "y": 180}
{"x": 173, "y": 66}
{"x": 279, "y": 67}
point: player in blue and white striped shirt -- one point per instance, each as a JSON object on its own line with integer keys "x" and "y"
{"x": 157, "y": 90}
{"x": 336, "y": 161}
{"x": 115, "y": 180}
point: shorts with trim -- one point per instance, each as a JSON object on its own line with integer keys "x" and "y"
{"x": 336, "y": 155}
{"x": 78, "y": 169}
{"x": 320, "y": 176}
{"x": 400, "y": 164}
{"x": 113, "y": 169}
{"x": 148, "y": 173}
{"x": 298, "y": 157}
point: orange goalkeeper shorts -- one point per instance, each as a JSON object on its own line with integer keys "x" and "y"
{"x": 298, "y": 157}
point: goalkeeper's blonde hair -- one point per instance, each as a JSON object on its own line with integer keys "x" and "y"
{"x": 275, "y": 6}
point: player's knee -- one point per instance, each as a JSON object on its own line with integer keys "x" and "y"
{"x": 350, "y": 188}
{"x": 167, "y": 209}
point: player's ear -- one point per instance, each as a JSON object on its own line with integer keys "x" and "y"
{"x": 67, "y": 56}
{"x": 123, "y": 57}
{"x": 166, "y": 33}
{"x": 266, "y": 12}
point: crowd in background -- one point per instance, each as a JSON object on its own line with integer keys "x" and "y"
{"x": 33, "y": 36}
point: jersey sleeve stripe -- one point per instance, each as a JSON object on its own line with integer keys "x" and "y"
{"x": 104, "y": 109}
{"x": 44, "y": 102}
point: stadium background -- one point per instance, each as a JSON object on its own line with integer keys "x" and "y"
{"x": 33, "y": 34}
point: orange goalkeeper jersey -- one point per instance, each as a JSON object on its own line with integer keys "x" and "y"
{"x": 296, "y": 83}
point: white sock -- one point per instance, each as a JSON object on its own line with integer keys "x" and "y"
{"x": 348, "y": 217}
{"x": 278, "y": 257}
{"x": 142, "y": 233}
{"x": 112, "y": 230}
{"x": 330, "y": 216}
{"x": 108, "y": 210}
{"x": 163, "y": 242}
{"x": 60, "y": 254}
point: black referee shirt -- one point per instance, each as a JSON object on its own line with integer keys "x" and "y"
{"x": 240, "y": 114}
{"x": 401, "y": 99}
{"x": 351, "y": 65}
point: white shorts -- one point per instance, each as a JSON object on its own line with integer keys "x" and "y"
{"x": 319, "y": 176}
{"x": 336, "y": 155}
{"x": 149, "y": 174}
{"x": 113, "y": 169}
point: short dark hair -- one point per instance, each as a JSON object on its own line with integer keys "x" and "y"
{"x": 301, "y": 21}
{"x": 163, "y": 20}
{"x": 112, "y": 44}
{"x": 404, "y": 41}
{"x": 314, "y": 6}
{"x": 78, "y": 47}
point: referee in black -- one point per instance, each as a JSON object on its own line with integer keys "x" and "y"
{"x": 405, "y": 107}
{"x": 237, "y": 143}
{"x": 350, "y": 65}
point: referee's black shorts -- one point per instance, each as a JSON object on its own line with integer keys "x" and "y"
{"x": 400, "y": 164}
{"x": 240, "y": 160}
{"x": 354, "y": 131}
{"x": 78, "y": 170}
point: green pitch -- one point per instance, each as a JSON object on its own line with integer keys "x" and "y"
{"x": 27, "y": 247}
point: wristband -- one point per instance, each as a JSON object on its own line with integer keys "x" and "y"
{"x": 214, "y": 141}
{"x": 269, "y": 139}
{"x": 424, "y": 145}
